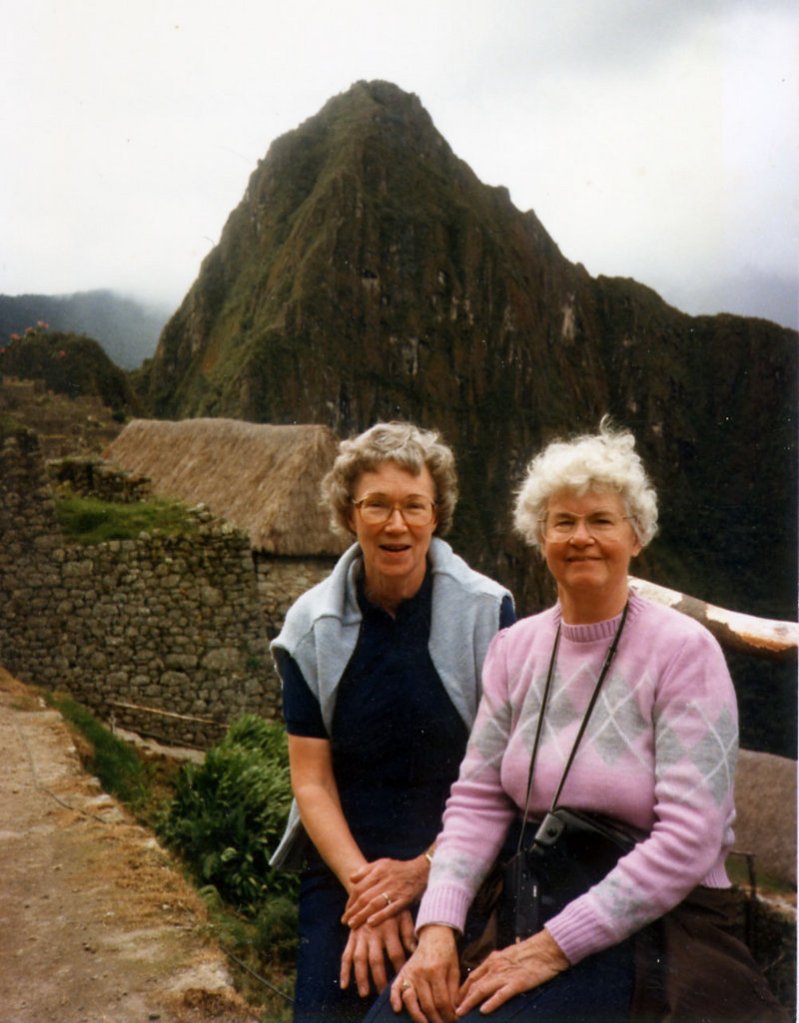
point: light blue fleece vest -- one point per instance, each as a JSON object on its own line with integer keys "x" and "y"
{"x": 322, "y": 627}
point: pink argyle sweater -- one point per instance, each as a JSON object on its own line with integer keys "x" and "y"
{"x": 659, "y": 753}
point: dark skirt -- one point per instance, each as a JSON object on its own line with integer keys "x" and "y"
{"x": 598, "y": 988}
{"x": 323, "y": 938}
{"x": 691, "y": 966}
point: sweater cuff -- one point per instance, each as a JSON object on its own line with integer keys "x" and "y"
{"x": 578, "y": 932}
{"x": 718, "y": 877}
{"x": 444, "y": 904}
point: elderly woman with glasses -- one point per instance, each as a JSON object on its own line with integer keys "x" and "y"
{"x": 381, "y": 668}
{"x": 655, "y": 754}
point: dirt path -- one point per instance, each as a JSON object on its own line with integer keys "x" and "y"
{"x": 95, "y": 924}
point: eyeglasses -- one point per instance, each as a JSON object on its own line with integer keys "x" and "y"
{"x": 376, "y": 509}
{"x": 600, "y": 526}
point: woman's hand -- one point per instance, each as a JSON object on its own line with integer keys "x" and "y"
{"x": 400, "y": 881}
{"x": 427, "y": 985}
{"x": 368, "y": 948}
{"x": 510, "y": 971}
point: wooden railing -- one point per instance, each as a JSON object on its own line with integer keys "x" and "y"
{"x": 761, "y": 636}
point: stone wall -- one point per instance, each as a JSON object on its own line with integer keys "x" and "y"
{"x": 90, "y": 476}
{"x": 166, "y": 634}
{"x": 282, "y": 580}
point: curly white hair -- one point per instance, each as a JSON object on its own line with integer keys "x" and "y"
{"x": 603, "y": 461}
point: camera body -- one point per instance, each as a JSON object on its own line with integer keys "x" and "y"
{"x": 572, "y": 850}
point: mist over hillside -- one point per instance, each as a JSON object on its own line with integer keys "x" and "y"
{"x": 126, "y": 328}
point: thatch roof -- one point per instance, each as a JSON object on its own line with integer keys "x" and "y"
{"x": 263, "y": 479}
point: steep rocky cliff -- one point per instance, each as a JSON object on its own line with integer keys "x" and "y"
{"x": 367, "y": 273}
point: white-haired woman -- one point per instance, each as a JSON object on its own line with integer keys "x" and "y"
{"x": 657, "y": 755}
{"x": 381, "y": 671}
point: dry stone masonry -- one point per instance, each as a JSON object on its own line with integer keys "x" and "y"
{"x": 92, "y": 477}
{"x": 173, "y": 624}
{"x": 282, "y": 580}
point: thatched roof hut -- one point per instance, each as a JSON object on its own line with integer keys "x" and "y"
{"x": 263, "y": 479}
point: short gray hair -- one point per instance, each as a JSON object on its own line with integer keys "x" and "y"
{"x": 405, "y": 445}
{"x": 603, "y": 461}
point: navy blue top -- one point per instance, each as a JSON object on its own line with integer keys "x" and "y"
{"x": 397, "y": 740}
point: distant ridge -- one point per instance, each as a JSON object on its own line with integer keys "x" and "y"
{"x": 126, "y": 328}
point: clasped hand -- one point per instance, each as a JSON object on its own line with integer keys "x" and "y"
{"x": 428, "y": 986}
{"x": 381, "y": 926}
{"x": 384, "y": 888}
{"x": 368, "y": 948}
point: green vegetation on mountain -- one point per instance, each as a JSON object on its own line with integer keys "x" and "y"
{"x": 9, "y": 426}
{"x": 68, "y": 364}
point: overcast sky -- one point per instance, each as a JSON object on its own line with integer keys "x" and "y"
{"x": 655, "y": 139}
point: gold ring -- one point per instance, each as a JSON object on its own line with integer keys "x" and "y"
{"x": 387, "y": 898}
{"x": 406, "y": 986}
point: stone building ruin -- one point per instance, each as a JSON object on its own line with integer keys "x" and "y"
{"x": 166, "y": 635}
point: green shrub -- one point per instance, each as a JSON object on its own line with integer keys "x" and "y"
{"x": 229, "y": 812}
{"x": 70, "y": 364}
{"x": 276, "y": 926}
{"x": 254, "y": 733}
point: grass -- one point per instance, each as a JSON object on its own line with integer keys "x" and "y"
{"x": 87, "y": 520}
{"x": 261, "y": 951}
{"x": 115, "y": 763}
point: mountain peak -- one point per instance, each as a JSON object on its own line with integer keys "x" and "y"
{"x": 360, "y": 216}
{"x": 376, "y": 96}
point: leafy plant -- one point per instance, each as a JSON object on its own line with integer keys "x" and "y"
{"x": 276, "y": 928}
{"x": 229, "y": 812}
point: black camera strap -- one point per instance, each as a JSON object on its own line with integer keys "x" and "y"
{"x": 611, "y": 651}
